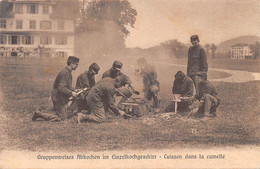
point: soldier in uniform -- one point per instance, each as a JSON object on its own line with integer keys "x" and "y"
{"x": 84, "y": 80}
{"x": 208, "y": 99}
{"x": 61, "y": 92}
{"x": 87, "y": 79}
{"x": 100, "y": 96}
{"x": 114, "y": 72}
{"x": 182, "y": 86}
{"x": 197, "y": 67}
{"x": 151, "y": 85}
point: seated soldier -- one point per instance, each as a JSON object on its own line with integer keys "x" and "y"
{"x": 208, "y": 100}
{"x": 183, "y": 88}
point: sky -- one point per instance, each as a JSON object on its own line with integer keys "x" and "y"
{"x": 214, "y": 21}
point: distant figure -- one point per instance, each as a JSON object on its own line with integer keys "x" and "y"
{"x": 84, "y": 80}
{"x": 208, "y": 99}
{"x": 197, "y": 67}
{"x": 62, "y": 91}
{"x": 151, "y": 85}
{"x": 183, "y": 87}
{"x": 102, "y": 95}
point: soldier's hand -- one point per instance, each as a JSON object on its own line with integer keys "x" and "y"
{"x": 121, "y": 112}
{"x": 74, "y": 94}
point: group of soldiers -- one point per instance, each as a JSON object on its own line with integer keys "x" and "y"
{"x": 91, "y": 101}
{"x": 195, "y": 85}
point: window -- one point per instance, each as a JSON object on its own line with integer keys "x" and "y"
{"x": 19, "y": 8}
{"x": 61, "y": 40}
{"x": 61, "y": 54}
{"x": 61, "y": 25}
{"x": 2, "y": 39}
{"x": 27, "y": 40}
{"x": 3, "y": 23}
{"x": 14, "y": 40}
{"x": 45, "y": 40}
{"x": 32, "y": 8}
{"x": 45, "y": 9}
{"x": 46, "y": 25}
{"x": 32, "y": 24}
{"x": 19, "y": 24}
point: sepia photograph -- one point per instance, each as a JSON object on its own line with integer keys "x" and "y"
{"x": 129, "y": 84}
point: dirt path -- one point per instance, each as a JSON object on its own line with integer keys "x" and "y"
{"x": 237, "y": 76}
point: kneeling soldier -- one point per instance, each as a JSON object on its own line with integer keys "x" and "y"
{"x": 101, "y": 95}
{"x": 62, "y": 91}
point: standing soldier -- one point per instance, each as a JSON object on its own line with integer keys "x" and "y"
{"x": 62, "y": 91}
{"x": 151, "y": 85}
{"x": 197, "y": 67}
{"x": 101, "y": 96}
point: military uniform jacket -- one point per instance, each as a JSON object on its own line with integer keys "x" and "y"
{"x": 207, "y": 88}
{"x": 62, "y": 87}
{"x": 111, "y": 73}
{"x": 184, "y": 87}
{"x": 103, "y": 92}
{"x": 197, "y": 61}
{"x": 85, "y": 80}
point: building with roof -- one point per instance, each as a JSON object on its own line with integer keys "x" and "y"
{"x": 36, "y": 28}
{"x": 241, "y": 51}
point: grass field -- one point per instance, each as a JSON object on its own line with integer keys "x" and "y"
{"x": 25, "y": 88}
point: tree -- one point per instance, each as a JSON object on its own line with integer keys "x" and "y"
{"x": 213, "y": 49}
{"x": 207, "y": 46}
{"x": 100, "y": 11}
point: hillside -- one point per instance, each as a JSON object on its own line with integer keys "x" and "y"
{"x": 225, "y": 46}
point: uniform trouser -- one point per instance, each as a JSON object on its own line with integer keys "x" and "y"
{"x": 196, "y": 80}
{"x": 209, "y": 103}
{"x": 96, "y": 112}
{"x": 60, "y": 113}
{"x": 61, "y": 109}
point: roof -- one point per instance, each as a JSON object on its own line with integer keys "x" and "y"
{"x": 6, "y": 9}
{"x": 240, "y": 45}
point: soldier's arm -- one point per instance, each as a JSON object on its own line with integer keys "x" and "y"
{"x": 174, "y": 87}
{"x": 189, "y": 63}
{"x": 189, "y": 89}
{"x": 203, "y": 61}
{"x": 64, "y": 86}
{"x": 111, "y": 101}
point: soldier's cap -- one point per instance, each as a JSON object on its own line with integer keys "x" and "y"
{"x": 73, "y": 59}
{"x": 117, "y": 65}
{"x": 179, "y": 75}
{"x": 194, "y": 38}
{"x": 94, "y": 67}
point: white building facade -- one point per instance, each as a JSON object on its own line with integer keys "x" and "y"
{"x": 241, "y": 51}
{"x": 30, "y": 30}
